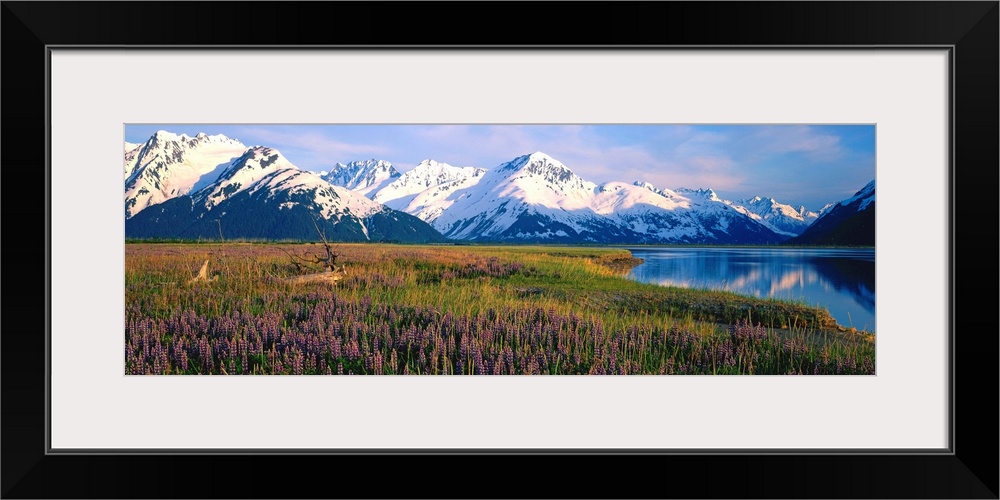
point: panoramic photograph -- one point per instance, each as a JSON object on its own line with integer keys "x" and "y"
{"x": 256, "y": 249}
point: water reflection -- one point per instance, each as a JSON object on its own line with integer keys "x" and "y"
{"x": 841, "y": 280}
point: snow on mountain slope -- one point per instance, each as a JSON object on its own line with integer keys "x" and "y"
{"x": 666, "y": 193}
{"x": 724, "y": 218}
{"x": 263, "y": 195}
{"x": 253, "y": 165}
{"x": 849, "y": 222}
{"x": 430, "y": 203}
{"x": 365, "y": 176}
{"x": 702, "y": 193}
{"x": 646, "y": 185}
{"x": 170, "y": 165}
{"x": 614, "y": 197}
{"x": 535, "y": 183}
{"x": 130, "y": 165}
{"x": 264, "y": 174}
{"x": 654, "y": 215}
{"x": 864, "y": 197}
{"x": 429, "y": 189}
{"x": 426, "y": 175}
{"x": 537, "y": 198}
{"x": 782, "y": 218}
{"x": 334, "y": 200}
{"x": 286, "y": 187}
{"x": 826, "y": 208}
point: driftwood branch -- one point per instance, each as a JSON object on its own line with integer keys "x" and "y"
{"x": 203, "y": 274}
{"x": 331, "y": 277}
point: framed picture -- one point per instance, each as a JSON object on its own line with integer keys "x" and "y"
{"x": 912, "y": 87}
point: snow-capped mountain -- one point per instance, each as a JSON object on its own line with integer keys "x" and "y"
{"x": 646, "y": 185}
{"x": 778, "y": 217}
{"x": 429, "y": 189}
{"x": 263, "y": 195}
{"x": 365, "y": 177}
{"x": 862, "y": 199}
{"x": 781, "y": 218}
{"x": 849, "y": 222}
{"x": 427, "y": 174}
{"x": 826, "y": 208}
{"x": 187, "y": 187}
{"x": 253, "y": 165}
{"x": 535, "y": 198}
{"x": 169, "y": 165}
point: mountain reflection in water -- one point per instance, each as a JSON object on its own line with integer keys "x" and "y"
{"x": 840, "y": 280}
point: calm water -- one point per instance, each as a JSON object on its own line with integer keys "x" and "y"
{"x": 842, "y": 281}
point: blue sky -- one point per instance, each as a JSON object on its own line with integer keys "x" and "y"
{"x": 795, "y": 164}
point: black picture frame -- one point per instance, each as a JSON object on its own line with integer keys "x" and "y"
{"x": 968, "y": 470}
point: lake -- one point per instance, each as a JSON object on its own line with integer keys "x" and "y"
{"x": 840, "y": 280}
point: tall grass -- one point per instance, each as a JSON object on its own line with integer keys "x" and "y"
{"x": 456, "y": 310}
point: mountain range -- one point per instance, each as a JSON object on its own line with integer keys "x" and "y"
{"x": 187, "y": 187}
{"x": 258, "y": 194}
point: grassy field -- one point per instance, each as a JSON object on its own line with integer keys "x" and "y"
{"x": 403, "y": 309}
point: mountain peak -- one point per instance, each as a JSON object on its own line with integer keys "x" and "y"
{"x": 164, "y": 135}
{"x": 255, "y": 164}
{"x": 867, "y": 190}
{"x": 547, "y": 170}
{"x": 848, "y": 222}
{"x": 650, "y": 187}
{"x": 781, "y": 218}
{"x": 363, "y": 165}
{"x": 362, "y": 176}
{"x": 761, "y": 201}
{"x": 538, "y": 163}
{"x": 259, "y": 158}
{"x": 447, "y": 172}
{"x": 865, "y": 195}
{"x": 371, "y": 162}
{"x": 261, "y": 150}
{"x": 430, "y": 163}
{"x": 169, "y": 165}
{"x": 707, "y": 193}
{"x": 431, "y": 182}
{"x": 538, "y": 155}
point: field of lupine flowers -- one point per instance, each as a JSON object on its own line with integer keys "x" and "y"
{"x": 405, "y": 309}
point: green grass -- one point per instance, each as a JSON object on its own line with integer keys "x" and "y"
{"x": 475, "y": 282}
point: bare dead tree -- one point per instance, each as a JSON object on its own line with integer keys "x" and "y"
{"x": 324, "y": 266}
{"x": 330, "y": 260}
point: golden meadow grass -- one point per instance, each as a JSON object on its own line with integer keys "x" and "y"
{"x": 407, "y": 309}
